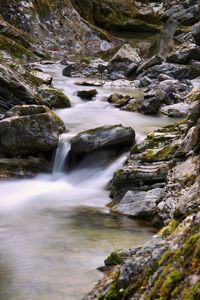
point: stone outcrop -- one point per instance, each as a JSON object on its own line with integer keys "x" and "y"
{"x": 29, "y": 129}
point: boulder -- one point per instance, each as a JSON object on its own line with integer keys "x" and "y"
{"x": 105, "y": 137}
{"x": 178, "y": 110}
{"x": 53, "y": 98}
{"x": 124, "y": 62}
{"x": 87, "y": 94}
{"x": 139, "y": 203}
{"x": 29, "y": 129}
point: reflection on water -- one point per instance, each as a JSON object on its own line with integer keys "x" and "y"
{"x": 151, "y": 44}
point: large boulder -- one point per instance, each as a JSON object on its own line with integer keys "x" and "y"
{"x": 124, "y": 62}
{"x": 29, "y": 129}
{"x": 105, "y": 137}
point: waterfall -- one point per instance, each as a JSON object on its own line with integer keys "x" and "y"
{"x": 61, "y": 155}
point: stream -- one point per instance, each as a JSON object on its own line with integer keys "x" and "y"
{"x": 56, "y": 229}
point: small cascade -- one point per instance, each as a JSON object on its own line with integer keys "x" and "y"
{"x": 61, "y": 155}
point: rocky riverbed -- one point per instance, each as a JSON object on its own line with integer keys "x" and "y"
{"x": 69, "y": 89}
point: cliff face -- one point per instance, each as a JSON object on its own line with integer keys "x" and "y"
{"x": 55, "y": 24}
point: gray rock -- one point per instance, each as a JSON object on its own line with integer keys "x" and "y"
{"x": 87, "y": 94}
{"x": 124, "y": 62}
{"x": 176, "y": 71}
{"x": 196, "y": 33}
{"x": 177, "y": 110}
{"x": 30, "y": 129}
{"x": 105, "y": 137}
{"x": 53, "y": 98}
{"x": 139, "y": 204}
{"x": 135, "y": 174}
{"x": 155, "y": 60}
{"x": 151, "y": 102}
{"x": 119, "y": 100}
{"x": 184, "y": 53}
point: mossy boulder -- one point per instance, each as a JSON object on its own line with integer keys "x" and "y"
{"x": 53, "y": 98}
{"x": 105, "y": 137}
{"x": 30, "y": 129}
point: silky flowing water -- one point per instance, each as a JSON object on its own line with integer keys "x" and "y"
{"x": 56, "y": 229}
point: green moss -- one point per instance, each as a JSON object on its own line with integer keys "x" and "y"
{"x": 63, "y": 99}
{"x": 114, "y": 292}
{"x": 174, "y": 278}
{"x": 165, "y": 153}
{"x": 33, "y": 80}
{"x": 189, "y": 243}
{"x": 169, "y": 229}
{"x": 15, "y": 50}
{"x": 192, "y": 293}
{"x": 115, "y": 258}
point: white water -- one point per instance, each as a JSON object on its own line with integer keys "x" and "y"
{"x": 55, "y": 229}
{"x": 61, "y": 155}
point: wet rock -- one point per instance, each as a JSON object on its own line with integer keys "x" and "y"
{"x": 29, "y": 129}
{"x": 139, "y": 204}
{"x": 119, "y": 100}
{"x": 87, "y": 94}
{"x": 124, "y": 62}
{"x": 178, "y": 110}
{"x": 44, "y": 77}
{"x": 155, "y": 60}
{"x": 105, "y": 137}
{"x": 132, "y": 105}
{"x": 196, "y": 33}
{"x": 184, "y": 53}
{"x": 53, "y": 98}
{"x": 151, "y": 102}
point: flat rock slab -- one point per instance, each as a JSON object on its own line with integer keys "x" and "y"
{"x": 139, "y": 203}
{"x": 178, "y": 110}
